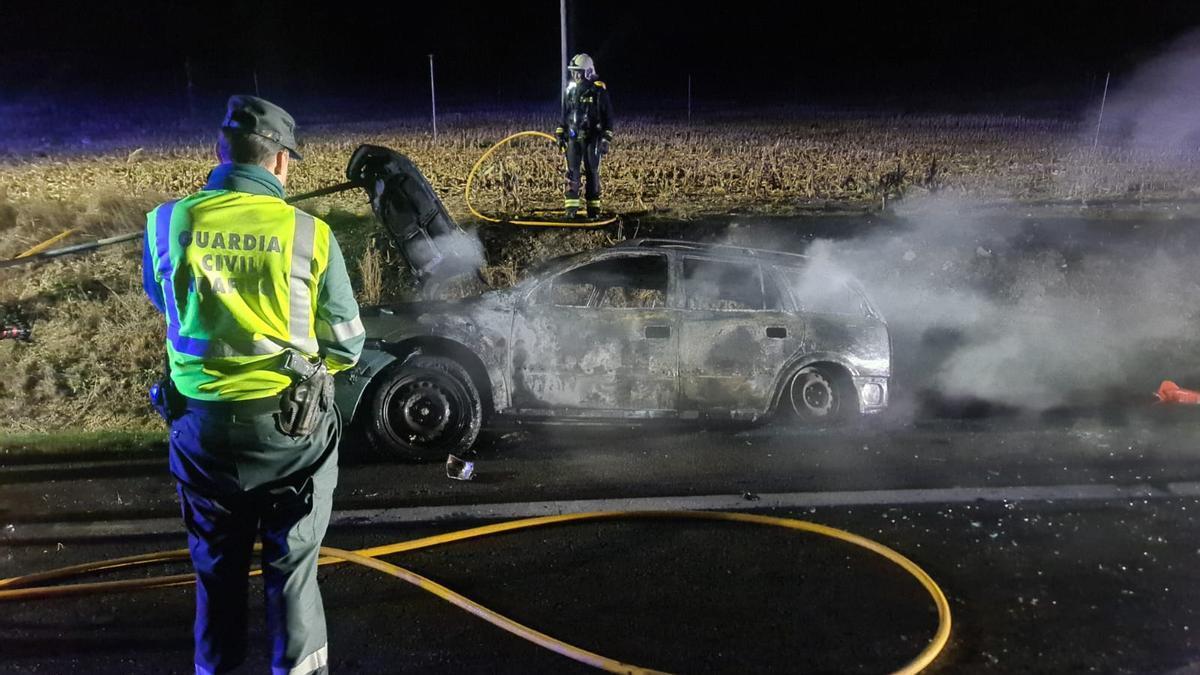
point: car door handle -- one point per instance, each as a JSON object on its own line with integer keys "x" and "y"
{"x": 776, "y": 332}
{"x": 658, "y": 332}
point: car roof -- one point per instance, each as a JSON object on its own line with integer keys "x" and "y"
{"x": 716, "y": 250}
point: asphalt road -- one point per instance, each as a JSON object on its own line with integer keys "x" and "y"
{"x": 1151, "y": 446}
{"x": 1043, "y": 576}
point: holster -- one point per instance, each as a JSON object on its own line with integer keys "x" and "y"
{"x": 166, "y": 399}
{"x": 302, "y": 405}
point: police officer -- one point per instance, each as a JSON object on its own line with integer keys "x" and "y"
{"x": 584, "y": 133}
{"x": 258, "y": 307}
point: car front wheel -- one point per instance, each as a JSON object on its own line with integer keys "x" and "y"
{"x": 423, "y": 409}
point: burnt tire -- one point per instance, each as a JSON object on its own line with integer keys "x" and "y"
{"x": 423, "y": 409}
{"x": 819, "y": 395}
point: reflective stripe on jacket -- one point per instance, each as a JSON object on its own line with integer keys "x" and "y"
{"x": 241, "y": 276}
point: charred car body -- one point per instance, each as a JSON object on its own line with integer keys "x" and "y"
{"x": 648, "y": 329}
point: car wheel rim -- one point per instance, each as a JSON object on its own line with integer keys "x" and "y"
{"x": 425, "y": 412}
{"x": 812, "y": 394}
{"x": 425, "y": 409}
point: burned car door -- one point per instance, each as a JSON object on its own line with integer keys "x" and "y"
{"x": 735, "y": 336}
{"x": 598, "y": 339}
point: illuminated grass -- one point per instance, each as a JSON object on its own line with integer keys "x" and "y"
{"x": 58, "y": 444}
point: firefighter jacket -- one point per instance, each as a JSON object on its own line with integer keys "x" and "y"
{"x": 586, "y": 111}
{"x": 240, "y": 277}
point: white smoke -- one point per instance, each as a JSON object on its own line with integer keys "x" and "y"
{"x": 1156, "y": 109}
{"x": 462, "y": 252}
{"x": 992, "y": 307}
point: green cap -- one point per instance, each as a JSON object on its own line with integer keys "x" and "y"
{"x": 254, "y": 115}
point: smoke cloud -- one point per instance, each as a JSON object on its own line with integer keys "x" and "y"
{"x": 1032, "y": 312}
{"x": 1156, "y": 109}
{"x": 462, "y": 252}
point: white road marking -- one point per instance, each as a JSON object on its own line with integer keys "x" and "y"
{"x": 505, "y": 511}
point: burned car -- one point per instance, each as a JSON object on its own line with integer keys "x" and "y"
{"x": 647, "y": 329}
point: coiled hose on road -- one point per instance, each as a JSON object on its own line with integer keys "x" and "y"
{"x": 22, "y": 588}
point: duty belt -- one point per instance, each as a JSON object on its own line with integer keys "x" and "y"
{"x": 254, "y": 406}
{"x": 300, "y": 406}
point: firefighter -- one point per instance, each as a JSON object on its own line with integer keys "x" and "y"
{"x": 584, "y": 133}
{"x": 259, "y": 312}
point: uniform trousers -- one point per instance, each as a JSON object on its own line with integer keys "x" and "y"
{"x": 241, "y": 478}
{"x": 583, "y": 154}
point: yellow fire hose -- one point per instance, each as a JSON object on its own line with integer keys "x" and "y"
{"x": 19, "y": 588}
{"x": 48, "y": 243}
{"x": 540, "y": 223}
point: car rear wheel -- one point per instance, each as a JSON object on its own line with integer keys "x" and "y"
{"x": 423, "y": 409}
{"x": 819, "y": 395}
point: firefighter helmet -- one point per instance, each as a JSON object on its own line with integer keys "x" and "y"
{"x": 583, "y": 62}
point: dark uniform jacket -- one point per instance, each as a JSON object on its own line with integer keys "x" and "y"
{"x": 587, "y": 112}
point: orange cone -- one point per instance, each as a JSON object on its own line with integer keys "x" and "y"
{"x": 1169, "y": 392}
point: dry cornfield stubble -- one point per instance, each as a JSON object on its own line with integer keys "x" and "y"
{"x": 98, "y": 344}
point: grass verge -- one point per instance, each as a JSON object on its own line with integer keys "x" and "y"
{"x": 65, "y": 446}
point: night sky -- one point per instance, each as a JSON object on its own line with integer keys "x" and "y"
{"x": 930, "y": 54}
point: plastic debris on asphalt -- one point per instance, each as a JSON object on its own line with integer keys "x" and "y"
{"x": 459, "y": 469}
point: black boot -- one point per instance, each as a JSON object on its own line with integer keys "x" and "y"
{"x": 572, "y": 213}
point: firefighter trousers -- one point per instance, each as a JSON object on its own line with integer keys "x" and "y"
{"x": 583, "y": 154}
{"x": 290, "y": 514}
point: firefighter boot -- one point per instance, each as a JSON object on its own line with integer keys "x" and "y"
{"x": 593, "y": 208}
{"x": 572, "y": 202}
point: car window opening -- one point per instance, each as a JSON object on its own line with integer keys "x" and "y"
{"x": 722, "y": 286}
{"x": 824, "y": 294}
{"x": 638, "y": 282}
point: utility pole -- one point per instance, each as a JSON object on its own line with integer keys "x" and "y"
{"x": 689, "y": 99}
{"x": 1103, "y": 100}
{"x": 432, "y": 97}
{"x": 562, "y": 34}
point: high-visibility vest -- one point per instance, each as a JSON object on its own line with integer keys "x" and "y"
{"x": 240, "y": 278}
